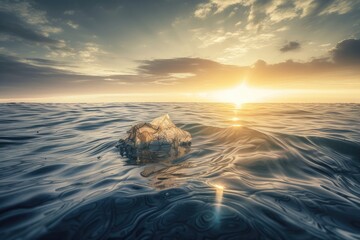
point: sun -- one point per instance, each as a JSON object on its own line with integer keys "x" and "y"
{"x": 238, "y": 95}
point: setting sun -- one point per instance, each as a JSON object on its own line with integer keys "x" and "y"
{"x": 241, "y": 94}
{"x": 238, "y": 95}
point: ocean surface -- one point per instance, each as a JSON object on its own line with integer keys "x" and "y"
{"x": 262, "y": 171}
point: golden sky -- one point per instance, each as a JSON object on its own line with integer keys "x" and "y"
{"x": 203, "y": 50}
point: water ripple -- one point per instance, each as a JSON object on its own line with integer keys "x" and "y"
{"x": 266, "y": 171}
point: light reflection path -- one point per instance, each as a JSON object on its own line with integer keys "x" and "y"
{"x": 218, "y": 199}
{"x": 235, "y": 120}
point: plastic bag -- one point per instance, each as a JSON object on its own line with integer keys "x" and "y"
{"x": 160, "y": 139}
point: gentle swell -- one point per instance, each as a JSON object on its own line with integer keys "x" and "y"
{"x": 289, "y": 171}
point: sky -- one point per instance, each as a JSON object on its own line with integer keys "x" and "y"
{"x": 180, "y": 50}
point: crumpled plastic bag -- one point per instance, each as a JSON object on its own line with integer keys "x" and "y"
{"x": 159, "y": 139}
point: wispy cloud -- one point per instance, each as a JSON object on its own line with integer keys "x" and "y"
{"x": 69, "y": 12}
{"x": 72, "y": 24}
{"x": 263, "y": 12}
{"x": 15, "y": 27}
{"x": 87, "y": 52}
{"x": 35, "y": 18}
{"x": 215, "y": 6}
{"x": 218, "y": 36}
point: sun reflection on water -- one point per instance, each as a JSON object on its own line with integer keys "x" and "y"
{"x": 219, "y": 191}
{"x": 235, "y": 120}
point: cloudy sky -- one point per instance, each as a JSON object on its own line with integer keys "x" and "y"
{"x": 179, "y": 50}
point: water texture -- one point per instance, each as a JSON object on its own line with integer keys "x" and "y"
{"x": 263, "y": 171}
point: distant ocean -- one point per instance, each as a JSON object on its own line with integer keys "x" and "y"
{"x": 263, "y": 171}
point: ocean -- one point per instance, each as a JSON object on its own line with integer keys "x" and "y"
{"x": 259, "y": 171}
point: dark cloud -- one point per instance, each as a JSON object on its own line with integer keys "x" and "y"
{"x": 292, "y": 70}
{"x": 207, "y": 74}
{"x": 176, "y": 65}
{"x": 15, "y": 72}
{"x": 191, "y": 73}
{"x": 290, "y": 46}
{"x": 22, "y": 79}
{"x": 258, "y": 12}
{"x": 48, "y": 62}
{"x": 12, "y": 25}
{"x": 36, "y": 76}
{"x": 36, "y": 71}
{"x": 347, "y": 52}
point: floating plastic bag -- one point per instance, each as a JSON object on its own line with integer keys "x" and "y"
{"x": 160, "y": 139}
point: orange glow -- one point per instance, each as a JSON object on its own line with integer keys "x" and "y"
{"x": 241, "y": 94}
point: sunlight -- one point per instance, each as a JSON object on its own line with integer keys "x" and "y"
{"x": 219, "y": 192}
{"x": 235, "y": 121}
{"x": 241, "y": 94}
{"x": 219, "y": 187}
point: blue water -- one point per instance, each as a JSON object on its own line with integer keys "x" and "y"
{"x": 288, "y": 171}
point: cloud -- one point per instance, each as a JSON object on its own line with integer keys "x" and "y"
{"x": 188, "y": 74}
{"x": 176, "y": 65}
{"x": 46, "y": 62}
{"x": 14, "y": 70}
{"x": 324, "y": 7}
{"x": 263, "y": 12}
{"x": 290, "y": 46}
{"x": 88, "y": 52}
{"x": 33, "y": 17}
{"x": 347, "y": 52}
{"x": 259, "y": 11}
{"x": 21, "y": 21}
{"x": 210, "y": 38}
{"x": 45, "y": 76}
{"x": 203, "y": 10}
{"x": 215, "y": 6}
{"x": 15, "y": 27}
{"x": 207, "y": 73}
{"x": 282, "y": 29}
{"x": 72, "y": 24}
{"x": 69, "y": 12}
{"x": 48, "y": 77}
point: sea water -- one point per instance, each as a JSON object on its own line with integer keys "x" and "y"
{"x": 259, "y": 171}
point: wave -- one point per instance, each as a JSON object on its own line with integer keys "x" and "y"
{"x": 274, "y": 171}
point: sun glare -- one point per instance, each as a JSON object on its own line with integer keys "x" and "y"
{"x": 241, "y": 94}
